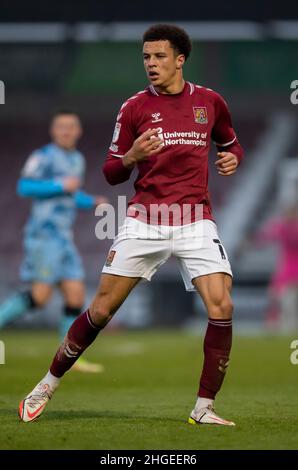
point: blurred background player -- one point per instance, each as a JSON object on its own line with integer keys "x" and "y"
{"x": 283, "y": 288}
{"x": 52, "y": 178}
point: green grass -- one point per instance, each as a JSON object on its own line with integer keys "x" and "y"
{"x": 143, "y": 399}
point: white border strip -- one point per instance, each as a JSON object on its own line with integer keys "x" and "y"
{"x": 33, "y": 32}
{"x": 284, "y": 29}
{"x": 226, "y": 144}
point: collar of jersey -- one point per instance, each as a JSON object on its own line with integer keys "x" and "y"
{"x": 189, "y": 85}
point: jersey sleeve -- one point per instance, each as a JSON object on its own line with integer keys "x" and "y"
{"x": 35, "y": 167}
{"x": 84, "y": 200}
{"x": 122, "y": 140}
{"x": 36, "y": 188}
{"x": 223, "y": 134}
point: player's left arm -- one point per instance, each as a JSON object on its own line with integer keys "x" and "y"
{"x": 87, "y": 201}
{"x": 230, "y": 152}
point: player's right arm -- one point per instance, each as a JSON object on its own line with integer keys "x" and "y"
{"x": 127, "y": 148}
{"x": 144, "y": 146}
{"x": 35, "y": 182}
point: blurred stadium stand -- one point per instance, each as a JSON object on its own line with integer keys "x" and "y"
{"x": 91, "y": 61}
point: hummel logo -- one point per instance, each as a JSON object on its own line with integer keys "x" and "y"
{"x": 155, "y": 117}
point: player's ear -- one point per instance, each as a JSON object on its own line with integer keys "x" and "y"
{"x": 180, "y": 59}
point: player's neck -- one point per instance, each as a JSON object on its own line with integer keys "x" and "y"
{"x": 65, "y": 149}
{"x": 172, "y": 89}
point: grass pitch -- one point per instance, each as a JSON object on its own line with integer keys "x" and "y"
{"x": 145, "y": 395}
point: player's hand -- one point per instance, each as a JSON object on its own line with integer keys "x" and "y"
{"x": 71, "y": 184}
{"x": 144, "y": 146}
{"x": 101, "y": 200}
{"x": 227, "y": 163}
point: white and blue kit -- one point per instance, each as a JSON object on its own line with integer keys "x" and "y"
{"x": 50, "y": 253}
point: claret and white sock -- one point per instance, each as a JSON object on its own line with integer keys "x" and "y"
{"x": 203, "y": 403}
{"x": 51, "y": 380}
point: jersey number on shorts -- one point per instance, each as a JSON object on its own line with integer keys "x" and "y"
{"x": 220, "y": 247}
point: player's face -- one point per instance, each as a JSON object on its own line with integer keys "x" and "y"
{"x": 66, "y": 130}
{"x": 162, "y": 64}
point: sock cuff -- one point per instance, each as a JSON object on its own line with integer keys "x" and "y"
{"x": 90, "y": 321}
{"x": 222, "y": 323}
{"x": 72, "y": 311}
{"x": 27, "y": 296}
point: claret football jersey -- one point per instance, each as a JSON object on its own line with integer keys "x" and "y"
{"x": 187, "y": 123}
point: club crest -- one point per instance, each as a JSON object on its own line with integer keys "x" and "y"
{"x": 200, "y": 114}
{"x": 110, "y": 257}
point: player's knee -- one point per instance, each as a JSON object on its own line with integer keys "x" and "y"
{"x": 74, "y": 297}
{"x": 222, "y": 310}
{"x": 41, "y": 295}
{"x": 100, "y": 310}
{"x": 39, "y": 301}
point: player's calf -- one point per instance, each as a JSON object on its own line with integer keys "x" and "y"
{"x": 81, "y": 334}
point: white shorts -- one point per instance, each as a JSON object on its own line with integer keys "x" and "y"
{"x": 140, "y": 249}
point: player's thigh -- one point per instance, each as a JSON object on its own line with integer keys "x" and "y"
{"x": 73, "y": 291}
{"x": 200, "y": 252}
{"x": 215, "y": 290}
{"x": 41, "y": 292}
{"x": 138, "y": 250}
{"x": 111, "y": 293}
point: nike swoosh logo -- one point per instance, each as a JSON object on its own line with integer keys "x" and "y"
{"x": 220, "y": 420}
{"x": 32, "y": 415}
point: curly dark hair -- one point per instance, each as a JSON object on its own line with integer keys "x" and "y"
{"x": 177, "y": 37}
